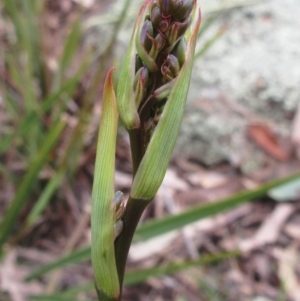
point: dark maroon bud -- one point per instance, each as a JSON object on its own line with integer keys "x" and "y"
{"x": 177, "y": 30}
{"x": 180, "y": 50}
{"x": 160, "y": 22}
{"x": 165, "y": 6}
{"x": 153, "y": 5}
{"x": 146, "y": 34}
{"x": 181, "y": 9}
{"x": 140, "y": 84}
{"x": 170, "y": 68}
{"x": 174, "y": 64}
{"x": 157, "y": 44}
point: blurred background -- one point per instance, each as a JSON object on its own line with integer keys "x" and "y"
{"x": 232, "y": 182}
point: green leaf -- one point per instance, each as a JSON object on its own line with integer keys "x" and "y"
{"x": 125, "y": 92}
{"x": 102, "y": 221}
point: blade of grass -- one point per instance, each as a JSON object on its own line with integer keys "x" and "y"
{"x": 138, "y": 276}
{"x": 158, "y": 227}
{"x": 208, "y": 44}
{"x": 230, "y": 5}
{"x": 63, "y": 93}
{"x": 75, "y": 257}
{"x": 44, "y": 199}
{"x": 13, "y": 10}
{"x": 76, "y": 144}
{"x": 141, "y": 275}
{"x": 208, "y": 23}
{"x": 30, "y": 120}
{"x": 39, "y": 206}
{"x": 53, "y": 298}
{"x": 29, "y": 181}
{"x": 71, "y": 45}
{"x": 70, "y": 49}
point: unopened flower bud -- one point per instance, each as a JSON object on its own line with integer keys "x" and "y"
{"x": 170, "y": 68}
{"x": 157, "y": 44}
{"x": 146, "y": 34}
{"x": 118, "y": 227}
{"x": 119, "y": 205}
{"x": 180, "y": 50}
{"x": 181, "y": 9}
{"x": 140, "y": 84}
{"x": 177, "y": 30}
{"x": 165, "y": 6}
{"x": 160, "y": 22}
{"x": 144, "y": 41}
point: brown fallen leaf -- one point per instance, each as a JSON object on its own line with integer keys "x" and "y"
{"x": 287, "y": 261}
{"x": 270, "y": 229}
{"x": 264, "y": 137}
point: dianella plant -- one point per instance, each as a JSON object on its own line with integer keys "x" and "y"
{"x": 150, "y": 99}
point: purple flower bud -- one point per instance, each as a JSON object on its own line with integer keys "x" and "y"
{"x": 180, "y": 50}
{"x": 160, "y": 22}
{"x": 170, "y": 68}
{"x": 166, "y": 6}
{"x": 146, "y": 33}
{"x": 140, "y": 84}
{"x": 177, "y": 30}
{"x": 119, "y": 205}
{"x": 157, "y": 44}
{"x": 181, "y": 9}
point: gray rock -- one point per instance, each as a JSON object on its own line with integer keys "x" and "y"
{"x": 251, "y": 74}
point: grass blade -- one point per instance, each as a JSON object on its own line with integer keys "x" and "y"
{"x": 158, "y": 227}
{"x": 75, "y": 257}
{"x": 208, "y": 44}
{"x": 28, "y": 182}
{"x": 44, "y": 199}
{"x": 170, "y": 223}
{"x": 71, "y": 45}
{"x": 52, "y": 298}
{"x": 137, "y": 276}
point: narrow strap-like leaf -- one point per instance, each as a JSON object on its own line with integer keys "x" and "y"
{"x": 125, "y": 92}
{"x": 103, "y": 254}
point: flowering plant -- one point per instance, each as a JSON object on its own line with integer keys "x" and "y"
{"x": 150, "y": 99}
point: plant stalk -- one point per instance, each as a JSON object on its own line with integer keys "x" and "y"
{"x": 137, "y": 148}
{"x": 134, "y": 211}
